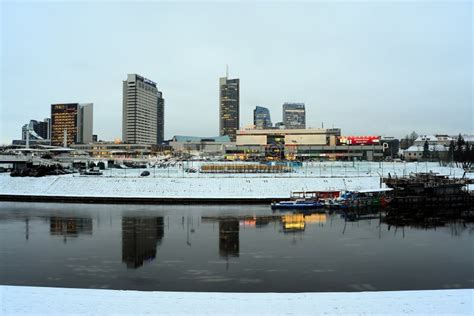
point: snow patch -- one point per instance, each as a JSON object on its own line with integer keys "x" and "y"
{"x": 17, "y": 300}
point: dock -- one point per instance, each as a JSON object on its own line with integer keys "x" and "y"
{"x": 429, "y": 190}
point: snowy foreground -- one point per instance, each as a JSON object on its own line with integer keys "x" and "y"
{"x": 176, "y": 184}
{"x": 17, "y": 300}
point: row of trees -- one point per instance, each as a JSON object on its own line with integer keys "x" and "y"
{"x": 408, "y": 140}
{"x": 461, "y": 153}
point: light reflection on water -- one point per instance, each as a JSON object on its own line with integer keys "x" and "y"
{"x": 233, "y": 248}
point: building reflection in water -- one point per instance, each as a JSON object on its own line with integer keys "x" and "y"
{"x": 293, "y": 223}
{"x": 70, "y": 226}
{"x": 297, "y": 222}
{"x": 228, "y": 237}
{"x": 262, "y": 221}
{"x": 256, "y": 221}
{"x": 229, "y": 227}
{"x": 140, "y": 236}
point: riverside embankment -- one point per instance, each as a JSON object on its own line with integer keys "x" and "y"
{"x": 174, "y": 185}
{"x": 100, "y": 189}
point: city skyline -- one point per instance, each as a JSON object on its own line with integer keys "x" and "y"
{"x": 360, "y": 70}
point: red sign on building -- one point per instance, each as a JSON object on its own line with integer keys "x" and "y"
{"x": 359, "y": 140}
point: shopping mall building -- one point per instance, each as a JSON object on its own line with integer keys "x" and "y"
{"x": 304, "y": 144}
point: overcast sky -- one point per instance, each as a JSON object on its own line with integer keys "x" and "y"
{"x": 366, "y": 67}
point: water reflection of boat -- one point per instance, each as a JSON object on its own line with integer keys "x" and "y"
{"x": 300, "y": 200}
{"x": 360, "y": 215}
{"x": 429, "y": 217}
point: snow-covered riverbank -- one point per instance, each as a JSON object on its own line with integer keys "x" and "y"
{"x": 18, "y": 300}
{"x": 205, "y": 188}
{"x": 174, "y": 183}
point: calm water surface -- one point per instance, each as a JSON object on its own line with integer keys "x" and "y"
{"x": 230, "y": 248}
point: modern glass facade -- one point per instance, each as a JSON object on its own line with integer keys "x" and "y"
{"x": 37, "y": 129}
{"x": 64, "y": 120}
{"x": 229, "y": 107}
{"x": 74, "y": 119}
{"x": 160, "y": 119}
{"x": 261, "y": 118}
{"x": 294, "y": 115}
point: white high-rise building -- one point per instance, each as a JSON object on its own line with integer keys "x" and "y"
{"x": 143, "y": 111}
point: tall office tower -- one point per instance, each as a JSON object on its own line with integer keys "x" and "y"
{"x": 84, "y": 123}
{"x": 261, "y": 118}
{"x": 229, "y": 109}
{"x": 160, "y": 126}
{"x": 294, "y": 115}
{"x": 47, "y": 122}
{"x": 36, "y": 129}
{"x": 143, "y": 111}
{"x": 73, "y": 120}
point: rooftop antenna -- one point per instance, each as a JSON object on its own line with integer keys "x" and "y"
{"x": 322, "y": 124}
{"x": 227, "y": 71}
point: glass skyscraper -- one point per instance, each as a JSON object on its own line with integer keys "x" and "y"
{"x": 37, "y": 129}
{"x": 72, "y": 121}
{"x": 294, "y": 115}
{"x": 261, "y": 118}
{"x": 160, "y": 119}
{"x": 229, "y": 107}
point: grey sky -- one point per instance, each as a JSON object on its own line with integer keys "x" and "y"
{"x": 367, "y": 67}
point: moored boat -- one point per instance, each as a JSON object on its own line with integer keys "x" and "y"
{"x": 297, "y": 204}
{"x": 300, "y": 200}
{"x": 361, "y": 198}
